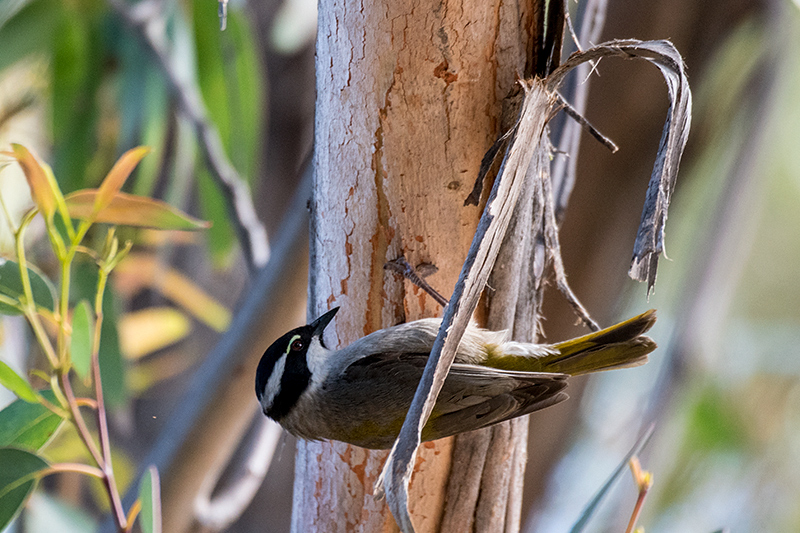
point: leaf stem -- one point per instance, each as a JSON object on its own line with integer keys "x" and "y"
{"x": 73, "y": 467}
{"x": 29, "y": 306}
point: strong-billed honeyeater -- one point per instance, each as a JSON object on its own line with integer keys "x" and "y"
{"x": 360, "y": 394}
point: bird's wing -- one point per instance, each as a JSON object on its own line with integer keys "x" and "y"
{"x": 475, "y": 397}
{"x": 472, "y": 396}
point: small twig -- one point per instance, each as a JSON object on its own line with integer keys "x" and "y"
{"x": 133, "y": 512}
{"x": 86, "y": 402}
{"x": 591, "y": 130}
{"x": 644, "y": 480}
{"x": 102, "y": 420}
{"x": 402, "y": 266}
{"x": 77, "y": 419}
{"x": 553, "y": 246}
{"x": 565, "y": 168}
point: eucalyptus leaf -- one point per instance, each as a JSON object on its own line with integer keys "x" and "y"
{"x": 16, "y": 384}
{"x": 130, "y": 210}
{"x": 18, "y": 470}
{"x": 11, "y": 286}
{"x": 150, "y": 497}
{"x": 27, "y": 425}
{"x": 77, "y": 64}
{"x": 81, "y": 344}
{"x": 112, "y": 367}
{"x": 220, "y": 236}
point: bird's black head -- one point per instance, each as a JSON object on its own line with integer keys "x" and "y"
{"x": 283, "y": 373}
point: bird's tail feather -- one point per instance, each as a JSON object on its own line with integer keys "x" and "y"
{"x": 619, "y": 346}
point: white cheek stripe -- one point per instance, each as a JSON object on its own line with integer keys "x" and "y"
{"x": 316, "y": 357}
{"x": 274, "y": 383}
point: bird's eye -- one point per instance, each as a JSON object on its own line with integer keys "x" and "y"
{"x": 297, "y": 345}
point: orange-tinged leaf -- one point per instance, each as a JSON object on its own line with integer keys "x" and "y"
{"x": 129, "y": 210}
{"x": 41, "y": 188}
{"x": 115, "y": 179}
{"x": 145, "y": 331}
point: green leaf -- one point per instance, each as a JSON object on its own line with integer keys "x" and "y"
{"x": 150, "y": 496}
{"x": 18, "y": 471}
{"x": 11, "y": 285}
{"x": 112, "y": 365}
{"x": 82, "y": 333}
{"x": 229, "y": 74}
{"x": 221, "y": 238}
{"x": 16, "y": 384}
{"x": 28, "y": 426}
{"x": 26, "y": 28}
{"x": 79, "y": 63}
{"x": 129, "y": 210}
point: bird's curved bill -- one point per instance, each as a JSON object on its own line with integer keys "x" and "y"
{"x": 322, "y": 322}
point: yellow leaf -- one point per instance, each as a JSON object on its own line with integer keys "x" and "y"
{"x": 143, "y": 332}
{"x": 138, "y": 270}
{"x": 153, "y": 370}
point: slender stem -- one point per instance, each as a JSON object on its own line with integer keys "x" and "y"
{"x": 63, "y": 308}
{"x": 86, "y": 402}
{"x": 102, "y": 423}
{"x": 644, "y": 481}
{"x": 29, "y": 306}
{"x": 77, "y": 419}
{"x": 73, "y": 467}
{"x": 56, "y": 409}
{"x": 636, "y": 510}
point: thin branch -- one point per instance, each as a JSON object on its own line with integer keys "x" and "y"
{"x": 102, "y": 420}
{"x": 565, "y": 166}
{"x": 585, "y": 124}
{"x": 402, "y": 266}
{"x": 77, "y": 419}
{"x": 251, "y": 232}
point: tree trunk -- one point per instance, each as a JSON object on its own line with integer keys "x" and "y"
{"x": 409, "y": 97}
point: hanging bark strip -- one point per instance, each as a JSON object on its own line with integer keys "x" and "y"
{"x": 538, "y": 102}
{"x": 474, "y": 274}
{"x": 650, "y": 238}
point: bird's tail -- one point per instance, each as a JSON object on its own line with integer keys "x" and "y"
{"x": 620, "y": 346}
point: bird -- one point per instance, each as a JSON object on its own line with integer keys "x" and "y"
{"x": 360, "y": 394}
